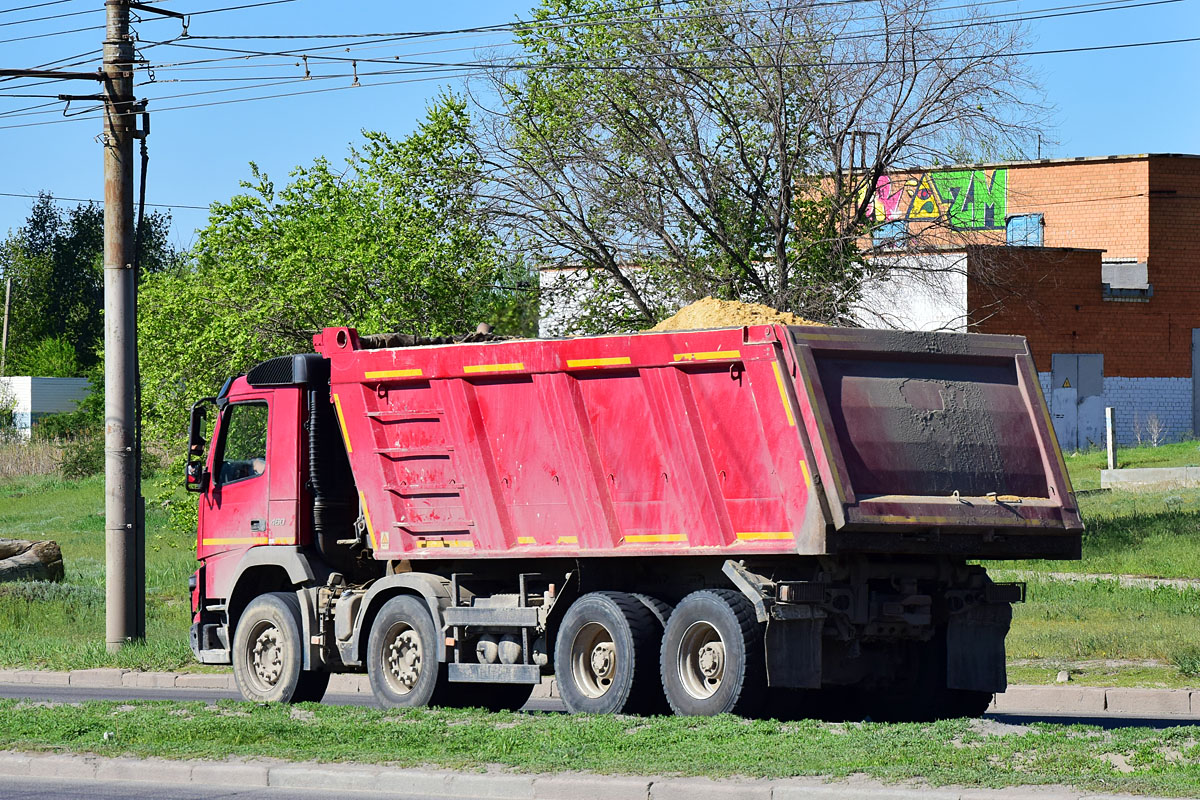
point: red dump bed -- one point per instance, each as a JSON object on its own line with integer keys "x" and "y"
{"x": 756, "y": 440}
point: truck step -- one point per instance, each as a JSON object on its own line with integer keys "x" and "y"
{"x": 491, "y": 617}
{"x": 495, "y": 673}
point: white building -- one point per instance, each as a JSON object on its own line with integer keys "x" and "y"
{"x": 31, "y": 398}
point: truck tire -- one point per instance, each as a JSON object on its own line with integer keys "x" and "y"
{"x": 712, "y": 655}
{"x": 605, "y": 655}
{"x": 267, "y": 653}
{"x": 402, "y": 663}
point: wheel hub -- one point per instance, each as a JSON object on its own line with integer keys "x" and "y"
{"x": 404, "y": 659}
{"x": 604, "y": 660}
{"x": 712, "y": 660}
{"x": 593, "y": 660}
{"x": 268, "y": 656}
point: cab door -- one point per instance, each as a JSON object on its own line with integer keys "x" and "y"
{"x": 234, "y": 510}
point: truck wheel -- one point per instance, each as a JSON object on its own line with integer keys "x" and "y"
{"x": 267, "y": 655}
{"x": 402, "y": 662}
{"x": 604, "y": 656}
{"x": 712, "y": 655}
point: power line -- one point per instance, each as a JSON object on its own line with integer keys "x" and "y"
{"x": 100, "y": 202}
{"x": 50, "y": 17}
{"x": 35, "y": 5}
{"x": 968, "y": 22}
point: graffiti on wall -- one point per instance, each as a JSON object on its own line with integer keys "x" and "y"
{"x": 969, "y": 199}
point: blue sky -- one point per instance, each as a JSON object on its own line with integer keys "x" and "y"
{"x": 1119, "y": 101}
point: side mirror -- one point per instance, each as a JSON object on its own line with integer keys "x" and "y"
{"x": 196, "y": 479}
{"x": 196, "y": 440}
{"x": 195, "y": 476}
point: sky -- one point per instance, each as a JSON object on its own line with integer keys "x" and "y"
{"x": 1135, "y": 100}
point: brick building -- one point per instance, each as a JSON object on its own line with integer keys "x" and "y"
{"x": 1095, "y": 260}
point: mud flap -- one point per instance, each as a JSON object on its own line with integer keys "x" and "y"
{"x": 793, "y": 648}
{"x": 975, "y": 648}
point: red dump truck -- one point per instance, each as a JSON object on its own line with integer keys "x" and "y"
{"x": 690, "y": 521}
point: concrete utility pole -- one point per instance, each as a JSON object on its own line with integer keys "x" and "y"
{"x": 124, "y": 594}
{"x": 7, "y": 307}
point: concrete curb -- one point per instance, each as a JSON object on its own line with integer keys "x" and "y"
{"x": 1078, "y": 700}
{"x": 135, "y": 679}
{"x": 439, "y": 784}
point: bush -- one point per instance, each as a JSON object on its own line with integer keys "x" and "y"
{"x": 49, "y": 358}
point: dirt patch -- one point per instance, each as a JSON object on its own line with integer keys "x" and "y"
{"x": 713, "y": 313}
{"x": 1119, "y": 761}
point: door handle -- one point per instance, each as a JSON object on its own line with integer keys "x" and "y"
{"x": 257, "y": 525}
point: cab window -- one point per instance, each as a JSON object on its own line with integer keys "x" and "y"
{"x": 244, "y": 451}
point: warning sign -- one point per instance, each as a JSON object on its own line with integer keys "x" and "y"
{"x": 1067, "y": 384}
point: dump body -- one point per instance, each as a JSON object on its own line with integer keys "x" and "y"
{"x": 732, "y": 442}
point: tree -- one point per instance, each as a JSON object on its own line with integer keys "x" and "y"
{"x": 667, "y": 152}
{"x": 389, "y": 243}
{"x": 56, "y": 263}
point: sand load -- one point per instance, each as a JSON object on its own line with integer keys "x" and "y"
{"x": 713, "y": 313}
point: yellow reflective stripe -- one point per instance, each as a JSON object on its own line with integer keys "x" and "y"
{"x": 807, "y": 476}
{"x": 708, "y": 356}
{"x": 392, "y": 373}
{"x": 635, "y": 538}
{"x": 445, "y": 543}
{"x": 612, "y": 361}
{"x": 337, "y": 406}
{"x": 367, "y": 519}
{"x": 766, "y": 536}
{"x": 526, "y": 540}
{"x": 236, "y": 540}
{"x": 513, "y": 367}
{"x": 568, "y": 540}
{"x": 787, "y": 404}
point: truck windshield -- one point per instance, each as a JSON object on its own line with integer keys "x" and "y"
{"x": 244, "y": 454}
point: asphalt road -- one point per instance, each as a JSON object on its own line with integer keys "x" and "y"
{"x": 75, "y": 694}
{"x": 91, "y": 789}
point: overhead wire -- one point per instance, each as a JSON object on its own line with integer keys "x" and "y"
{"x": 34, "y": 5}
{"x": 967, "y": 22}
{"x": 90, "y": 200}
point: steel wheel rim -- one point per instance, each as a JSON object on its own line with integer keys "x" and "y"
{"x": 700, "y": 660}
{"x": 402, "y": 658}
{"x": 593, "y": 660}
{"x": 265, "y": 657}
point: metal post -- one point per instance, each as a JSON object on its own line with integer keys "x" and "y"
{"x": 1110, "y": 429}
{"x": 7, "y": 308}
{"x": 123, "y": 594}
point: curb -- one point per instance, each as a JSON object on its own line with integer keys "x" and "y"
{"x": 111, "y": 678}
{"x": 349, "y": 778}
{"x": 1080, "y": 700}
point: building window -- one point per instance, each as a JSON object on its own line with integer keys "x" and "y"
{"x": 1025, "y": 230}
{"x": 890, "y": 235}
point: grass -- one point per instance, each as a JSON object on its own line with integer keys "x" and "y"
{"x": 61, "y": 626}
{"x": 1084, "y": 468}
{"x": 1106, "y": 674}
{"x": 19, "y": 459}
{"x": 1102, "y": 620}
{"x": 960, "y": 752}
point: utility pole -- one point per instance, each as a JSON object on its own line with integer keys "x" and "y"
{"x": 124, "y": 595}
{"x": 4, "y": 340}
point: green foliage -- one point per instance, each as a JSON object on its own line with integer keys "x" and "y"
{"x": 53, "y": 357}
{"x": 389, "y": 242}
{"x": 56, "y": 263}
{"x": 1187, "y": 660}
